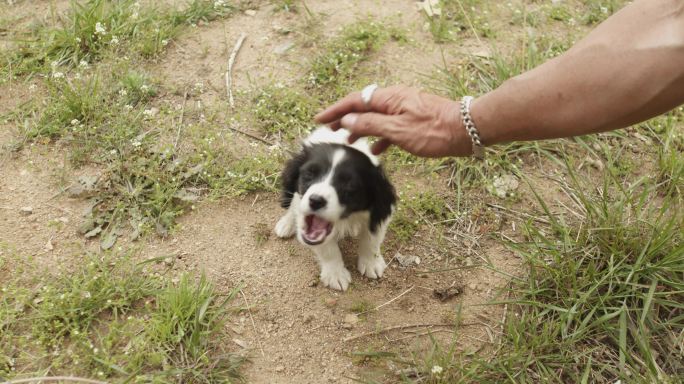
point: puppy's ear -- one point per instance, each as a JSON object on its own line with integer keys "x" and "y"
{"x": 383, "y": 198}
{"x": 290, "y": 177}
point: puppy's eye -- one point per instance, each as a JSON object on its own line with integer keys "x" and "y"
{"x": 309, "y": 174}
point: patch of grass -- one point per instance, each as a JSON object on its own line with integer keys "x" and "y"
{"x": 361, "y": 306}
{"x": 602, "y": 299}
{"x": 458, "y": 16}
{"x": 106, "y": 116}
{"x": 284, "y": 112}
{"x": 670, "y": 160}
{"x": 113, "y": 320}
{"x": 483, "y": 74}
{"x": 414, "y": 210}
{"x": 94, "y": 29}
{"x": 334, "y": 70}
{"x": 597, "y": 11}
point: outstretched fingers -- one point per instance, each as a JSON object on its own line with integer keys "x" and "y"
{"x": 370, "y": 124}
{"x": 353, "y": 103}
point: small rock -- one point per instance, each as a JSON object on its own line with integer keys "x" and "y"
{"x": 503, "y": 186}
{"x": 309, "y": 318}
{"x": 469, "y": 261}
{"x": 351, "y": 319}
{"x": 241, "y": 343}
{"x": 280, "y": 368}
{"x": 472, "y": 286}
{"x": 283, "y": 48}
{"x": 48, "y": 246}
{"x": 445, "y": 294}
{"x": 330, "y": 302}
{"x": 250, "y": 12}
{"x": 407, "y": 260}
{"x": 26, "y": 211}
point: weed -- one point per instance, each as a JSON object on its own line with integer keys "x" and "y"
{"x": 416, "y": 209}
{"x": 596, "y": 12}
{"x": 98, "y": 28}
{"x": 456, "y": 16}
{"x": 284, "y": 112}
{"x": 361, "y": 306}
{"x": 334, "y": 69}
{"x": 601, "y": 297}
{"x": 113, "y": 318}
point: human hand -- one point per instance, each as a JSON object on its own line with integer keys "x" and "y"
{"x": 420, "y": 123}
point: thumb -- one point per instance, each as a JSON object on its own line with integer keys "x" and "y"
{"x": 368, "y": 124}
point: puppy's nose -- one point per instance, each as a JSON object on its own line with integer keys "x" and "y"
{"x": 317, "y": 202}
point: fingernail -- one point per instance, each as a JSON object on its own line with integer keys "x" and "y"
{"x": 349, "y": 120}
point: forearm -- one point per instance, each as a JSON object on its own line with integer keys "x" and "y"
{"x": 628, "y": 69}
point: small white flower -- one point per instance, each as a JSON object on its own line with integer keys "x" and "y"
{"x": 75, "y": 122}
{"x": 123, "y": 92}
{"x": 128, "y": 107}
{"x": 219, "y": 3}
{"x": 100, "y": 29}
{"x": 78, "y": 40}
{"x": 58, "y": 75}
{"x": 83, "y": 64}
{"x": 145, "y": 88}
{"x": 32, "y": 87}
{"x": 136, "y": 143}
{"x": 115, "y": 40}
{"x": 436, "y": 369}
{"x": 54, "y": 64}
{"x": 148, "y": 112}
{"x": 77, "y": 76}
{"x": 604, "y": 10}
{"x": 113, "y": 152}
{"x": 87, "y": 295}
{"x": 165, "y": 42}
{"x": 100, "y": 373}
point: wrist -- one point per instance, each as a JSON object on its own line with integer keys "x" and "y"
{"x": 460, "y": 143}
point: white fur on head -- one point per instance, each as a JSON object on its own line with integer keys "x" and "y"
{"x": 324, "y": 134}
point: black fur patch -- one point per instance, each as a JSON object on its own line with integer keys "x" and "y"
{"x": 360, "y": 185}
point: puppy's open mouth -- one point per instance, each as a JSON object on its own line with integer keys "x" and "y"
{"x": 316, "y": 230}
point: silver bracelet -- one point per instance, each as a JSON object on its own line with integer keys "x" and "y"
{"x": 478, "y": 147}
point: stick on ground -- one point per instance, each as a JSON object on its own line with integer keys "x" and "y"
{"x": 229, "y": 72}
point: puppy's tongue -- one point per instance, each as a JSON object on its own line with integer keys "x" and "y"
{"x": 317, "y": 229}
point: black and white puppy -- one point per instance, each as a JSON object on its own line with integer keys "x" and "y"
{"x": 332, "y": 190}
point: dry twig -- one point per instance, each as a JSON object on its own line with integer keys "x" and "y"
{"x": 180, "y": 120}
{"x": 229, "y": 72}
{"x": 53, "y": 378}
{"x": 396, "y": 327}
{"x": 256, "y": 333}
{"x": 388, "y": 302}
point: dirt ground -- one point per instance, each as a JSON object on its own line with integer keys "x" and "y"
{"x": 296, "y": 331}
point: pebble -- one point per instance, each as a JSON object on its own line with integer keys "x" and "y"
{"x": 250, "y": 12}
{"x": 350, "y": 320}
{"x": 26, "y": 211}
{"x": 330, "y": 302}
{"x": 280, "y": 368}
{"x": 283, "y": 48}
{"x": 469, "y": 261}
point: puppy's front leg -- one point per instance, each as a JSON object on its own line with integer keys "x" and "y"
{"x": 333, "y": 272}
{"x": 370, "y": 262}
{"x": 287, "y": 225}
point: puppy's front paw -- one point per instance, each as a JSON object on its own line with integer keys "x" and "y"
{"x": 285, "y": 227}
{"x": 336, "y": 277}
{"x": 371, "y": 266}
